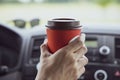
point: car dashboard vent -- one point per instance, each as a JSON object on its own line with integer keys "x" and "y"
{"x": 117, "y": 48}
{"x": 35, "y": 53}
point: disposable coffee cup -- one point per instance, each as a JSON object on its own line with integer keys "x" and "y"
{"x": 60, "y": 31}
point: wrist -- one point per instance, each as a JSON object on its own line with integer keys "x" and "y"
{"x": 39, "y": 77}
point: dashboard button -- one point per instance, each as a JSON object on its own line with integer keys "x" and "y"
{"x": 100, "y": 75}
{"x": 117, "y": 73}
{"x": 104, "y": 50}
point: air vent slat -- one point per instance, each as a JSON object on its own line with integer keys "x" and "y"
{"x": 36, "y": 47}
{"x": 117, "y": 47}
{"x": 35, "y": 53}
{"x": 38, "y": 42}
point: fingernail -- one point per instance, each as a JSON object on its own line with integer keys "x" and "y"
{"x": 82, "y": 37}
{"x": 73, "y": 38}
{"x": 38, "y": 66}
{"x": 45, "y": 41}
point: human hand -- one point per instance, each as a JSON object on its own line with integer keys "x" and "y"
{"x": 65, "y": 64}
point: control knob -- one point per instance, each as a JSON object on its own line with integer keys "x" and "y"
{"x": 100, "y": 75}
{"x": 104, "y": 50}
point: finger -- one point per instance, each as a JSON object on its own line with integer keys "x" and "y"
{"x": 82, "y": 37}
{"x": 80, "y": 52}
{"x": 80, "y": 72}
{"x": 44, "y": 49}
{"x": 81, "y": 62}
{"x": 73, "y": 45}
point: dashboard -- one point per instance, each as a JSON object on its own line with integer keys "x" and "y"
{"x": 21, "y": 51}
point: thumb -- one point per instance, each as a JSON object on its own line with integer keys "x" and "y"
{"x": 44, "y": 50}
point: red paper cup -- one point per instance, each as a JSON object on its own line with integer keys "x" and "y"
{"x": 60, "y": 31}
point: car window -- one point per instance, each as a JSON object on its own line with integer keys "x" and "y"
{"x": 29, "y": 13}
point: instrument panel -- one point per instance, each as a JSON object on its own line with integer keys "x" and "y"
{"x": 104, "y": 58}
{"x": 103, "y": 55}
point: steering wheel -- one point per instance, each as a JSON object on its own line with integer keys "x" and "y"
{"x": 11, "y": 43}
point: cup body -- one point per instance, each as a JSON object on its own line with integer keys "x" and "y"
{"x": 59, "y": 38}
{"x": 60, "y": 32}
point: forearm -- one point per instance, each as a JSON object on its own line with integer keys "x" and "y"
{"x": 45, "y": 78}
{"x": 41, "y": 77}
{"x": 48, "y": 76}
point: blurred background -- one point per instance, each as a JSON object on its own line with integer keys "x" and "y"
{"x": 30, "y": 13}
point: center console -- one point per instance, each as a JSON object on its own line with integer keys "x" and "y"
{"x": 104, "y": 60}
{"x": 103, "y": 54}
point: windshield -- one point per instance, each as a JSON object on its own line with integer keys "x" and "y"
{"x": 29, "y": 13}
